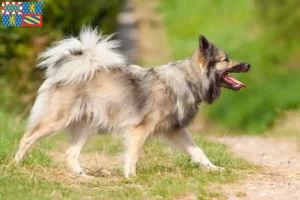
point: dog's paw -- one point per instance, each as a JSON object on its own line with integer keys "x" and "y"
{"x": 129, "y": 173}
{"x": 212, "y": 167}
{"x": 81, "y": 174}
{"x": 87, "y": 176}
{"x": 217, "y": 168}
{"x": 17, "y": 160}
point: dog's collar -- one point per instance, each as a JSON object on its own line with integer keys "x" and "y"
{"x": 200, "y": 104}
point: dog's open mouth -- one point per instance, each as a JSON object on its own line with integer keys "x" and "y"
{"x": 230, "y": 82}
{"x": 233, "y": 82}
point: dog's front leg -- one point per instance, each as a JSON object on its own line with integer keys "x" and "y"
{"x": 135, "y": 140}
{"x": 182, "y": 140}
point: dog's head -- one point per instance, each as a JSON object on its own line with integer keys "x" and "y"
{"x": 217, "y": 64}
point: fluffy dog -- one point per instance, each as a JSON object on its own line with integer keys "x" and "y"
{"x": 89, "y": 89}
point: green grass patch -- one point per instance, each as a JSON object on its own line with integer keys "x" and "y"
{"x": 235, "y": 27}
{"x": 16, "y": 184}
{"x": 161, "y": 173}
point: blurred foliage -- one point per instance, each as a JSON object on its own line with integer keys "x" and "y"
{"x": 282, "y": 18}
{"x": 264, "y": 33}
{"x": 19, "y": 46}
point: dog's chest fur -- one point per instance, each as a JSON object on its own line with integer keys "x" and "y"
{"x": 171, "y": 102}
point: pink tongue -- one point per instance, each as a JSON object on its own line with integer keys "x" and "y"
{"x": 234, "y": 81}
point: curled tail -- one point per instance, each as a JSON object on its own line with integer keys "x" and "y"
{"x": 77, "y": 59}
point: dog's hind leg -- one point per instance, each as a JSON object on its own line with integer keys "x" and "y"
{"x": 136, "y": 138}
{"x": 182, "y": 140}
{"x": 80, "y": 134}
{"x": 48, "y": 125}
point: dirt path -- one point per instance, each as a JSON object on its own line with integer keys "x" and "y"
{"x": 280, "y": 158}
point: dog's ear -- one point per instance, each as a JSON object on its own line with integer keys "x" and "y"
{"x": 205, "y": 46}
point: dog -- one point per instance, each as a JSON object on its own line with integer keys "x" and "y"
{"x": 90, "y": 89}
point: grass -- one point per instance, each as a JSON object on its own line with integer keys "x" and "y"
{"x": 236, "y": 27}
{"x": 161, "y": 173}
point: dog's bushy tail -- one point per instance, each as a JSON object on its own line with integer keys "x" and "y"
{"x": 77, "y": 59}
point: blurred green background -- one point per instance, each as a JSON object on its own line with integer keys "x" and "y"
{"x": 264, "y": 33}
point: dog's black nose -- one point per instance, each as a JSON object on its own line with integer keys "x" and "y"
{"x": 247, "y": 65}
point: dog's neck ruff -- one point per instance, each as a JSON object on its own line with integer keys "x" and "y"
{"x": 201, "y": 82}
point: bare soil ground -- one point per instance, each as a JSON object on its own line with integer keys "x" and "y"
{"x": 280, "y": 176}
{"x": 279, "y": 158}
{"x": 96, "y": 164}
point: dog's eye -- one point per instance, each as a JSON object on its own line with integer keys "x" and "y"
{"x": 226, "y": 60}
